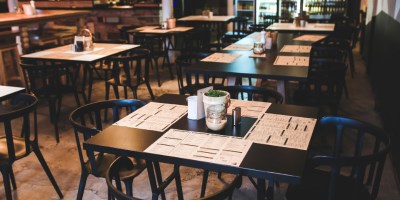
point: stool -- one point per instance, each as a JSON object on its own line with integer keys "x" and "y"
{"x": 10, "y": 71}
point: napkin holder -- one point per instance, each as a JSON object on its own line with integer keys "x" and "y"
{"x": 28, "y": 9}
{"x": 196, "y": 106}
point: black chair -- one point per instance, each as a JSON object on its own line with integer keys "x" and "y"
{"x": 189, "y": 83}
{"x": 239, "y": 30}
{"x": 51, "y": 81}
{"x": 113, "y": 180}
{"x": 101, "y": 68}
{"x": 352, "y": 169}
{"x": 98, "y": 164}
{"x": 269, "y": 19}
{"x": 346, "y": 29}
{"x": 157, "y": 44}
{"x": 257, "y": 27}
{"x": 13, "y": 147}
{"x": 324, "y": 86}
{"x": 123, "y": 75}
{"x": 253, "y": 93}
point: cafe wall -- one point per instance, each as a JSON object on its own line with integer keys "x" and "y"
{"x": 382, "y": 51}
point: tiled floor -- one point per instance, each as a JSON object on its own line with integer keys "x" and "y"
{"x": 64, "y": 163}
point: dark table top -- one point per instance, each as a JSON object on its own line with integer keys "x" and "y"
{"x": 7, "y": 92}
{"x": 246, "y": 66}
{"x": 262, "y": 161}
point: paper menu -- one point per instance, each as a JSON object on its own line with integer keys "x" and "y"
{"x": 311, "y": 38}
{"x": 251, "y": 109}
{"x": 39, "y": 54}
{"x": 154, "y": 116}
{"x": 221, "y": 57}
{"x": 87, "y": 57}
{"x": 200, "y": 146}
{"x": 181, "y": 29}
{"x": 296, "y": 49}
{"x": 282, "y": 130}
{"x": 292, "y": 61}
{"x": 239, "y": 47}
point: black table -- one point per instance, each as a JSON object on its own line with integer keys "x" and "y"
{"x": 7, "y": 92}
{"x": 246, "y": 66}
{"x": 276, "y": 163}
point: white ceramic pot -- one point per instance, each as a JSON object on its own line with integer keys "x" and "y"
{"x": 208, "y": 101}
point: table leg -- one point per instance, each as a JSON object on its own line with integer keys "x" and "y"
{"x": 152, "y": 179}
{"x": 260, "y": 189}
{"x": 281, "y": 88}
{"x": 157, "y": 169}
{"x": 83, "y": 88}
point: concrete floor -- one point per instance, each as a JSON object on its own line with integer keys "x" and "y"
{"x": 63, "y": 159}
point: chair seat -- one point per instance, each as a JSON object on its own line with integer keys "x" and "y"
{"x": 104, "y": 161}
{"x": 315, "y": 186}
{"x": 19, "y": 147}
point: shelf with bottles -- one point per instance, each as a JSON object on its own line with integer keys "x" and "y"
{"x": 244, "y": 5}
{"x": 324, "y": 9}
{"x": 288, "y": 9}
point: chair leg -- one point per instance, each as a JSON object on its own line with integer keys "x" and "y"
{"x": 53, "y": 116}
{"x": 47, "y": 169}
{"x": 6, "y": 182}
{"x": 149, "y": 89}
{"x": 107, "y": 85}
{"x": 351, "y": 60}
{"x": 128, "y": 185}
{"x": 90, "y": 81}
{"x": 116, "y": 92}
{"x": 82, "y": 184}
{"x": 126, "y": 93}
{"x": 204, "y": 183}
{"x": 12, "y": 178}
{"x": 157, "y": 72}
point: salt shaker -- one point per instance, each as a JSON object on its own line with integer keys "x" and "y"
{"x": 236, "y": 116}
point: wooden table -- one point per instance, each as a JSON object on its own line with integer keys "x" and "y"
{"x": 217, "y": 21}
{"x": 309, "y": 28}
{"x": 100, "y": 52}
{"x": 263, "y": 68}
{"x": 7, "y": 92}
{"x": 261, "y": 161}
{"x": 22, "y": 20}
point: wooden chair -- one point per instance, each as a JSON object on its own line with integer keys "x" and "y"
{"x": 51, "y": 81}
{"x": 253, "y": 93}
{"x": 97, "y": 165}
{"x": 324, "y": 86}
{"x": 239, "y": 30}
{"x": 123, "y": 163}
{"x": 125, "y": 77}
{"x": 15, "y": 148}
{"x": 189, "y": 83}
{"x": 346, "y": 172}
{"x": 157, "y": 44}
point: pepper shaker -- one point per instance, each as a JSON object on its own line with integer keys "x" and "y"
{"x": 236, "y": 116}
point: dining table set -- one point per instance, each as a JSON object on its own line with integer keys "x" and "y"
{"x": 270, "y": 144}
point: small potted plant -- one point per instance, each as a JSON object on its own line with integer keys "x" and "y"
{"x": 216, "y": 97}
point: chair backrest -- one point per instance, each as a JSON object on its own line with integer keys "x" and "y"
{"x": 189, "y": 83}
{"x": 269, "y": 19}
{"x": 253, "y": 93}
{"x": 21, "y": 107}
{"x": 363, "y": 163}
{"x": 328, "y": 78}
{"x": 84, "y": 124}
{"x": 118, "y": 72}
{"x": 152, "y": 42}
{"x": 115, "y": 41}
{"x": 345, "y": 28}
{"x": 239, "y": 26}
{"x": 45, "y": 78}
{"x": 328, "y": 50}
{"x": 197, "y": 40}
{"x": 113, "y": 173}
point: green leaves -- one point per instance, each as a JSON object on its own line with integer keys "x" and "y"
{"x": 215, "y": 93}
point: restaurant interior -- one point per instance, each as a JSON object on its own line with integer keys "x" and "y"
{"x": 199, "y": 99}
